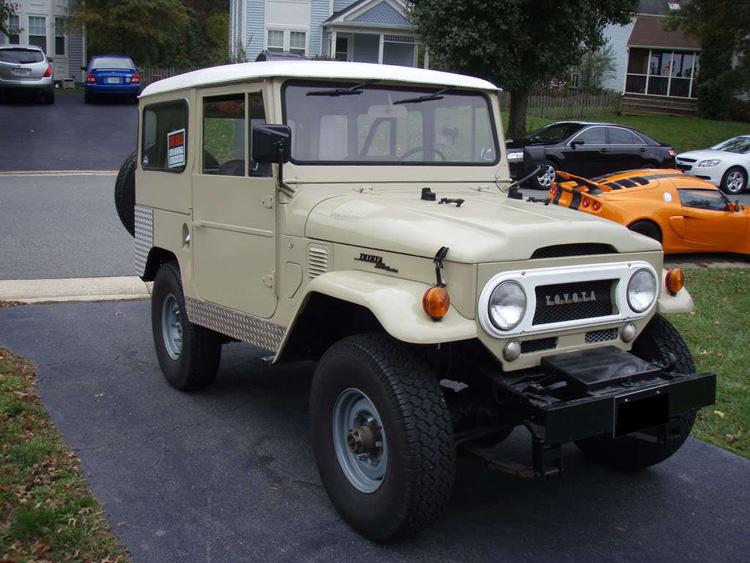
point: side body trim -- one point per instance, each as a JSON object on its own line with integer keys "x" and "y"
{"x": 261, "y": 333}
{"x": 144, "y": 236}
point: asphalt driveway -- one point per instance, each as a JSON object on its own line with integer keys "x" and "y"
{"x": 68, "y": 135}
{"x": 228, "y": 474}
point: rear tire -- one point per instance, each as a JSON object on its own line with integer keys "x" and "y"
{"x": 546, "y": 176}
{"x": 647, "y": 228}
{"x": 734, "y": 181}
{"x": 401, "y": 482}
{"x": 125, "y": 193}
{"x": 188, "y": 354}
{"x": 660, "y": 343}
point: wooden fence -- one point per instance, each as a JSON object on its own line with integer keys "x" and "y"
{"x": 149, "y": 74}
{"x": 567, "y": 103}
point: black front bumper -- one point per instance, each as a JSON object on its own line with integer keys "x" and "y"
{"x": 606, "y": 391}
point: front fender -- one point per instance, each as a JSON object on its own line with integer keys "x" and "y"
{"x": 395, "y": 303}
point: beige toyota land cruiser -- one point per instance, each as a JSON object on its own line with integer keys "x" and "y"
{"x": 362, "y": 216}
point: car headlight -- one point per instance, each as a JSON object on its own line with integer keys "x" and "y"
{"x": 641, "y": 290}
{"x": 514, "y": 156}
{"x": 708, "y": 163}
{"x": 507, "y": 305}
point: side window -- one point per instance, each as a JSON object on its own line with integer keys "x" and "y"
{"x": 164, "y": 140}
{"x": 703, "y": 199}
{"x": 257, "y": 113}
{"x": 619, "y": 136}
{"x": 592, "y": 136}
{"x": 224, "y": 135}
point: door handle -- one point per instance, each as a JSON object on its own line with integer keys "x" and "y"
{"x": 642, "y": 149}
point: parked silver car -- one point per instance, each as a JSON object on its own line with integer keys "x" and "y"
{"x": 25, "y": 69}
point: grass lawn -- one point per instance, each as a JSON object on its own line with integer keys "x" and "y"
{"x": 717, "y": 333}
{"x": 683, "y": 133}
{"x": 46, "y": 510}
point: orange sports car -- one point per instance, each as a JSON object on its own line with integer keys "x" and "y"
{"x": 684, "y": 213}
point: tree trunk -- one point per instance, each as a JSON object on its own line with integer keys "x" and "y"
{"x": 519, "y": 101}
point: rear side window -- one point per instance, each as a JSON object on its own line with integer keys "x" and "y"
{"x": 165, "y": 137}
{"x": 619, "y": 136}
{"x": 592, "y": 136}
{"x": 21, "y": 56}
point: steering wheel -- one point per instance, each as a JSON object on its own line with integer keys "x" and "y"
{"x": 415, "y": 150}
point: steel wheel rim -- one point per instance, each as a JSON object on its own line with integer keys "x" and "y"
{"x": 171, "y": 327}
{"x": 735, "y": 181}
{"x": 546, "y": 179}
{"x": 354, "y": 410}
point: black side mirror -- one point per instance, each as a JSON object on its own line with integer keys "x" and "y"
{"x": 576, "y": 143}
{"x": 272, "y": 143}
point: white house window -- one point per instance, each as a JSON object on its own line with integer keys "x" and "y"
{"x": 660, "y": 72}
{"x": 275, "y": 40}
{"x": 59, "y": 36}
{"x": 14, "y": 26}
{"x": 297, "y": 42}
{"x": 38, "y": 32}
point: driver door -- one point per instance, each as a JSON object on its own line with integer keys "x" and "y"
{"x": 709, "y": 222}
{"x": 234, "y": 253}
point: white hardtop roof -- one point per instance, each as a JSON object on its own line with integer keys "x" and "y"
{"x": 227, "y": 74}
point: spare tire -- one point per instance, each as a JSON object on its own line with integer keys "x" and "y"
{"x": 125, "y": 193}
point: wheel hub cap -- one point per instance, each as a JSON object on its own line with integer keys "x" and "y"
{"x": 171, "y": 327}
{"x": 359, "y": 440}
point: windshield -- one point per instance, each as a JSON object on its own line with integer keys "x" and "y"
{"x": 21, "y": 56}
{"x": 554, "y": 133}
{"x": 740, "y": 145}
{"x": 361, "y": 123}
{"x": 112, "y": 62}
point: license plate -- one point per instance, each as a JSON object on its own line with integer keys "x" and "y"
{"x": 21, "y": 71}
{"x": 113, "y": 80}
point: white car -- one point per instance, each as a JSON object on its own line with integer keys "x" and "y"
{"x": 727, "y": 164}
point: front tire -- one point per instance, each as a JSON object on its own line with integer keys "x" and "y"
{"x": 188, "y": 354}
{"x": 734, "y": 181}
{"x": 546, "y": 176}
{"x": 382, "y": 436}
{"x": 647, "y": 228}
{"x": 658, "y": 343}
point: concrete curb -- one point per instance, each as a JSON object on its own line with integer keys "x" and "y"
{"x": 74, "y": 289}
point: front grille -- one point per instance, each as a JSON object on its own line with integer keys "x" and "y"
{"x": 683, "y": 159}
{"x": 577, "y": 249}
{"x": 681, "y": 166}
{"x": 572, "y": 301}
{"x": 601, "y": 335}
{"x": 529, "y": 346}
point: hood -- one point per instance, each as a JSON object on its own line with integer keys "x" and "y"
{"x": 705, "y": 154}
{"x": 488, "y": 227}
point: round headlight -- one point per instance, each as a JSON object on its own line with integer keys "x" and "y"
{"x": 507, "y": 305}
{"x": 641, "y": 290}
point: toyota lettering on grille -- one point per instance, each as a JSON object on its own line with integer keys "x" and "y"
{"x": 570, "y": 298}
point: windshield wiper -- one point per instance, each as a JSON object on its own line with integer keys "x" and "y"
{"x": 354, "y": 90}
{"x": 425, "y": 98}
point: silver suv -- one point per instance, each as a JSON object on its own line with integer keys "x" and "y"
{"x": 25, "y": 69}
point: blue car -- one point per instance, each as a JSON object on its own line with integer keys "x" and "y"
{"x": 111, "y": 75}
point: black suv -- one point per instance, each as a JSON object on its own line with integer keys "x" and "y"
{"x": 586, "y": 149}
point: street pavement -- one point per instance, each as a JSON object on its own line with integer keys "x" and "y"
{"x": 68, "y": 135}
{"x": 228, "y": 474}
{"x": 61, "y": 227}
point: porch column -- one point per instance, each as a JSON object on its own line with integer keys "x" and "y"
{"x": 332, "y": 50}
{"x": 427, "y": 57}
{"x": 380, "y": 49}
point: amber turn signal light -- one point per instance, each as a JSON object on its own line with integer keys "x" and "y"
{"x": 436, "y": 302}
{"x": 675, "y": 280}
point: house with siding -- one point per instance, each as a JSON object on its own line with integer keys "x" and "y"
{"x": 373, "y": 31}
{"x": 655, "y": 68}
{"x": 42, "y": 23}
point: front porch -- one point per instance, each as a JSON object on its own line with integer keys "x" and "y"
{"x": 372, "y": 31}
